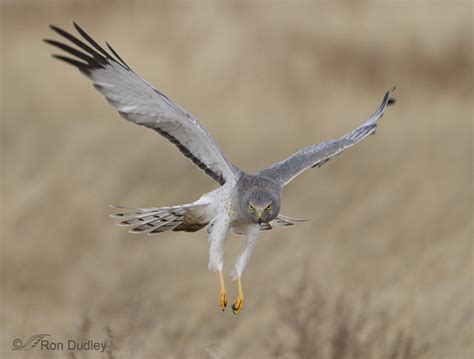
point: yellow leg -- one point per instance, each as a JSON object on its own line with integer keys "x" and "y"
{"x": 223, "y": 298}
{"x": 239, "y": 302}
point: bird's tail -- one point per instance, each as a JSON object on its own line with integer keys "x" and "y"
{"x": 156, "y": 220}
{"x": 281, "y": 221}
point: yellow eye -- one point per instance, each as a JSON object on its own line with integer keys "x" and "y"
{"x": 251, "y": 208}
{"x": 269, "y": 207}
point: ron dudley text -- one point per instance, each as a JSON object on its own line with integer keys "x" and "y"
{"x": 89, "y": 345}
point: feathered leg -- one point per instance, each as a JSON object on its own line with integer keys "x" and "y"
{"x": 240, "y": 264}
{"x": 218, "y": 232}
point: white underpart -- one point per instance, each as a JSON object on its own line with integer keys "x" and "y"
{"x": 219, "y": 226}
{"x": 226, "y": 217}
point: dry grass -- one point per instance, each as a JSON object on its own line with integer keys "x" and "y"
{"x": 392, "y": 228}
{"x": 314, "y": 325}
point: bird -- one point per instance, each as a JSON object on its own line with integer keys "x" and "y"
{"x": 243, "y": 203}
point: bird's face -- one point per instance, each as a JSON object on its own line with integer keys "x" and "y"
{"x": 262, "y": 207}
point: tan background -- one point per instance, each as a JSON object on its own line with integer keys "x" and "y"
{"x": 384, "y": 269}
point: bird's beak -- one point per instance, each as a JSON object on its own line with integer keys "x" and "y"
{"x": 259, "y": 216}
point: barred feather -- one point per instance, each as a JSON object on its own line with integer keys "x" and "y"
{"x": 158, "y": 220}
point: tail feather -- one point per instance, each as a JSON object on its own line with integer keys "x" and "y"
{"x": 148, "y": 219}
{"x": 281, "y": 221}
{"x": 285, "y": 221}
{"x": 155, "y": 220}
{"x": 158, "y": 226}
{"x": 142, "y": 212}
{"x": 154, "y": 223}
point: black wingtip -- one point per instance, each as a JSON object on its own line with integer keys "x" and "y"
{"x": 83, "y": 67}
{"x": 56, "y": 29}
{"x": 391, "y": 100}
{"x": 81, "y": 31}
{"x": 77, "y": 27}
{"x": 118, "y": 56}
{"x": 49, "y": 41}
{"x": 94, "y": 55}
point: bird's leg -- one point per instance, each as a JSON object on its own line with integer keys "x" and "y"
{"x": 239, "y": 302}
{"x": 241, "y": 262}
{"x": 223, "y": 300}
{"x": 217, "y": 239}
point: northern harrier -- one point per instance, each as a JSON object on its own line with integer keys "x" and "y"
{"x": 244, "y": 203}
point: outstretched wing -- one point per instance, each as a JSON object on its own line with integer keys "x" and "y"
{"x": 139, "y": 102}
{"x": 317, "y": 155}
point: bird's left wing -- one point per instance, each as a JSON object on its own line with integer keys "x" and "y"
{"x": 139, "y": 102}
{"x": 317, "y": 155}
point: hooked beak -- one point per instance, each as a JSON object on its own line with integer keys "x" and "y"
{"x": 259, "y": 216}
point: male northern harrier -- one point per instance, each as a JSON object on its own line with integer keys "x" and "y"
{"x": 244, "y": 203}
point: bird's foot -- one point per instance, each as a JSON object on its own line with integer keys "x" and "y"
{"x": 223, "y": 300}
{"x": 238, "y": 304}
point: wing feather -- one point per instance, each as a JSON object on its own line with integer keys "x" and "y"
{"x": 139, "y": 102}
{"x": 317, "y": 155}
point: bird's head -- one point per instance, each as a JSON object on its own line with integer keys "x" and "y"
{"x": 261, "y": 202}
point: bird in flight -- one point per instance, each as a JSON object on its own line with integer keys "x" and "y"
{"x": 244, "y": 204}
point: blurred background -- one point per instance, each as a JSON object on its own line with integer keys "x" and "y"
{"x": 384, "y": 269}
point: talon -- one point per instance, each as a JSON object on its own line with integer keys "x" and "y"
{"x": 223, "y": 300}
{"x": 238, "y": 305}
{"x": 239, "y": 302}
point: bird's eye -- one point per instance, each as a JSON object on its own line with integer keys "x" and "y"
{"x": 251, "y": 208}
{"x": 269, "y": 207}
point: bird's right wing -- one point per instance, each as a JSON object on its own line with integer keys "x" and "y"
{"x": 139, "y": 102}
{"x": 317, "y": 155}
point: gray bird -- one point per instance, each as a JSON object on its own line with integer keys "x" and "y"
{"x": 244, "y": 204}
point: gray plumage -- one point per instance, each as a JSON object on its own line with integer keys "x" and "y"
{"x": 244, "y": 204}
{"x": 317, "y": 155}
{"x": 258, "y": 192}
